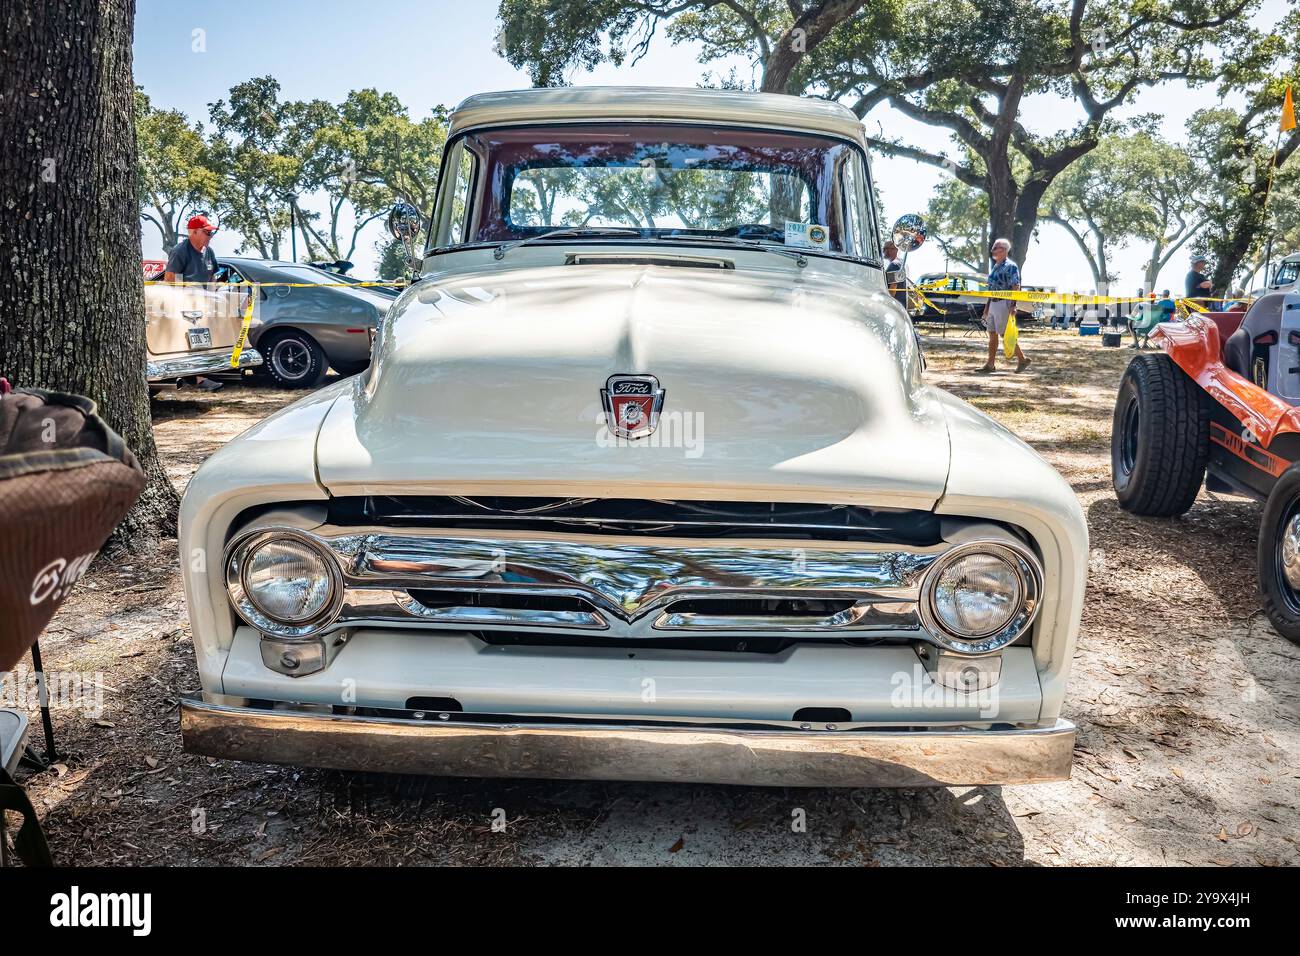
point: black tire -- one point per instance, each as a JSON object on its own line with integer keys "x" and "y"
{"x": 294, "y": 359}
{"x": 347, "y": 369}
{"x": 1160, "y": 438}
{"x": 1278, "y": 595}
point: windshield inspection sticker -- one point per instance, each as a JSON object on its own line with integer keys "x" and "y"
{"x": 806, "y": 235}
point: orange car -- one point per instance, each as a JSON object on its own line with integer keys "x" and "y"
{"x": 1218, "y": 406}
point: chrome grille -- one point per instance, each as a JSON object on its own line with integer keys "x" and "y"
{"x": 624, "y": 586}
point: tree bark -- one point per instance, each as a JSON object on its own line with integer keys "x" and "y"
{"x": 810, "y": 28}
{"x": 71, "y": 297}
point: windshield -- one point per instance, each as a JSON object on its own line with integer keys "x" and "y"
{"x": 798, "y": 191}
{"x": 1287, "y": 272}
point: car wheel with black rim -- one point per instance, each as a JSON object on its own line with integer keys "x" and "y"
{"x": 1279, "y": 555}
{"x": 295, "y": 360}
{"x": 1160, "y": 438}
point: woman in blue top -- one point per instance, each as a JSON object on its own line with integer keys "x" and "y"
{"x": 1005, "y": 277}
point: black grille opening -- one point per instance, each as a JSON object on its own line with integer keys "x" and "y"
{"x": 436, "y": 599}
{"x": 441, "y": 705}
{"x": 754, "y": 644}
{"x": 625, "y": 516}
{"x": 754, "y": 607}
{"x": 823, "y": 715}
{"x": 681, "y": 262}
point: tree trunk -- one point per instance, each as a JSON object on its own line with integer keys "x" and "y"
{"x": 1013, "y": 211}
{"x": 1003, "y": 193}
{"x": 71, "y": 298}
{"x": 1154, "y": 264}
{"x": 810, "y": 28}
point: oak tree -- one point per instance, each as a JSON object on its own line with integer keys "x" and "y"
{"x": 71, "y": 292}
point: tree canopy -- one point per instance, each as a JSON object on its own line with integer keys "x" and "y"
{"x": 263, "y": 163}
{"x": 962, "y": 66}
{"x": 177, "y": 176}
{"x": 1131, "y": 187}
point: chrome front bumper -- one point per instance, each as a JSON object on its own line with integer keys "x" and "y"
{"x": 675, "y": 751}
{"x": 200, "y": 363}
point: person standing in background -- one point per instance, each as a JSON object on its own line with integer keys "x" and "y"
{"x": 192, "y": 260}
{"x": 895, "y": 276}
{"x": 1004, "y": 277}
{"x": 1166, "y": 306}
{"x": 1198, "y": 283}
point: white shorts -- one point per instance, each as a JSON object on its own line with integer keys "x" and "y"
{"x": 999, "y": 313}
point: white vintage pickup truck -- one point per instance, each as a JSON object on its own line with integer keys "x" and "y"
{"x": 645, "y": 482}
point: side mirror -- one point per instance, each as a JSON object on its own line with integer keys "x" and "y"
{"x": 910, "y": 232}
{"x": 405, "y": 223}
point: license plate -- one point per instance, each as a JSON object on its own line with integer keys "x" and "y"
{"x": 199, "y": 338}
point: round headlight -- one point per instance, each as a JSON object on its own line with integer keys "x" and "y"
{"x": 977, "y": 595}
{"x": 981, "y": 596}
{"x": 288, "y": 580}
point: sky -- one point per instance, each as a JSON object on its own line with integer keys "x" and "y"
{"x": 441, "y": 51}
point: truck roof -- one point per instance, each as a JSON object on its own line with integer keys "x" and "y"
{"x": 657, "y": 103}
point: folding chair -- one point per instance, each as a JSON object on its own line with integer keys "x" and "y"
{"x": 66, "y": 480}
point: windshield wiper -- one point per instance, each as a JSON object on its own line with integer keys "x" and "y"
{"x": 573, "y": 232}
{"x": 800, "y": 259}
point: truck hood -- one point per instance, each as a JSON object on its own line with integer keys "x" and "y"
{"x": 779, "y": 386}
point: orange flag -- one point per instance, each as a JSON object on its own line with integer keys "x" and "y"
{"x": 1288, "y": 111}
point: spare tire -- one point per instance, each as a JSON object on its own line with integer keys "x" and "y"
{"x": 1160, "y": 438}
{"x": 66, "y": 480}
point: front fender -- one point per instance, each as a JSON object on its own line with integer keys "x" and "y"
{"x": 1195, "y": 347}
{"x": 274, "y": 461}
{"x": 997, "y": 476}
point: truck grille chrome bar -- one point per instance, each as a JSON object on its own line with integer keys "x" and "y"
{"x": 624, "y": 587}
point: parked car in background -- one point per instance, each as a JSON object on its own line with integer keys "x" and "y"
{"x": 341, "y": 269}
{"x": 514, "y": 548}
{"x": 945, "y": 302}
{"x": 309, "y": 328}
{"x": 192, "y": 332}
{"x": 310, "y": 320}
{"x": 1288, "y": 271}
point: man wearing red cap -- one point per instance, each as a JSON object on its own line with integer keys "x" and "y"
{"x": 192, "y": 260}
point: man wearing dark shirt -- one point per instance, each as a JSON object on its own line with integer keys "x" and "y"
{"x": 192, "y": 260}
{"x": 1198, "y": 283}
{"x": 895, "y": 278}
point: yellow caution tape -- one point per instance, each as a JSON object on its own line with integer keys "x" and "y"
{"x": 1056, "y": 298}
{"x": 926, "y": 301}
{"x": 243, "y": 332}
{"x": 1073, "y": 298}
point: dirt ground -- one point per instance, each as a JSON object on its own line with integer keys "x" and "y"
{"x": 1186, "y": 700}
